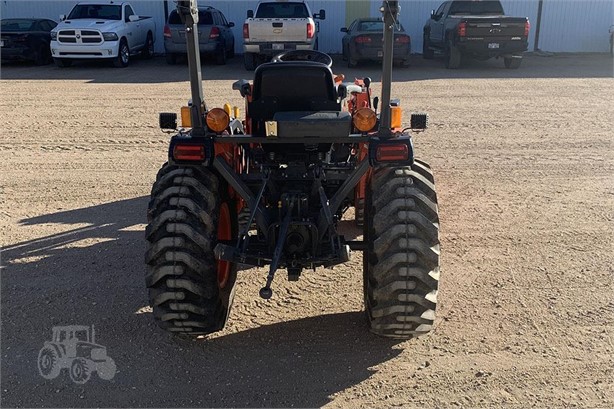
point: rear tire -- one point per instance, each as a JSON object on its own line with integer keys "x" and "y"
{"x": 62, "y": 62}
{"x": 220, "y": 56}
{"x": 352, "y": 63}
{"x": 231, "y": 52}
{"x": 48, "y": 363}
{"x": 189, "y": 290}
{"x": 171, "y": 58}
{"x": 452, "y": 56}
{"x": 512, "y": 63}
{"x": 249, "y": 59}
{"x": 148, "y": 50}
{"x": 401, "y": 264}
{"x": 427, "y": 53}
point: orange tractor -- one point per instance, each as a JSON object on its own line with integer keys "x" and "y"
{"x": 269, "y": 190}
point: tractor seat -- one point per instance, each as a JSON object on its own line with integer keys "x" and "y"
{"x": 291, "y": 87}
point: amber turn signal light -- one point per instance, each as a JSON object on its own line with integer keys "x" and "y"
{"x": 364, "y": 119}
{"x": 217, "y": 120}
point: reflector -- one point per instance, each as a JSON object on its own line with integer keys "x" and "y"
{"x": 392, "y": 153}
{"x": 189, "y": 153}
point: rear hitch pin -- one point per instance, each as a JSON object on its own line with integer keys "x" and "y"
{"x": 266, "y": 292}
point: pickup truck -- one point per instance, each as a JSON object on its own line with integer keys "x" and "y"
{"x": 109, "y": 31}
{"x": 475, "y": 28}
{"x": 278, "y": 26}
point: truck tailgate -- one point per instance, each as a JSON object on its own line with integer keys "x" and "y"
{"x": 485, "y": 27}
{"x": 274, "y": 29}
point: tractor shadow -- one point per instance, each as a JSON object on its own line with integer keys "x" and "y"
{"x": 91, "y": 273}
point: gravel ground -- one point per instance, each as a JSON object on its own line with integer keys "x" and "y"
{"x": 524, "y": 167}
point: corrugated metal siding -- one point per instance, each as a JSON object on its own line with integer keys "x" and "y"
{"x": 567, "y": 25}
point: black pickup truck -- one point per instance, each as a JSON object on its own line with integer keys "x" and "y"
{"x": 475, "y": 28}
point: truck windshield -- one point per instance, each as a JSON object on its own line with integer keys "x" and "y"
{"x": 476, "y": 8}
{"x": 204, "y": 18}
{"x": 282, "y": 10}
{"x": 99, "y": 11}
{"x": 17, "y": 25}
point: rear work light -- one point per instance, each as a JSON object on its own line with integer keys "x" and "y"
{"x": 310, "y": 30}
{"x": 167, "y": 31}
{"x": 402, "y": 39}
{"x": 215, "y": 33}
{"x": 189, "y": 153}
{"x": 392, "y": 153}
{"x": 462, "y": 29}
{"x": 527, "y": 27}
{"x": 362, "y": 40}
{"x": 245, "y": 30}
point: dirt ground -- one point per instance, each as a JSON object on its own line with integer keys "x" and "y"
{"x": 524, "y": 166}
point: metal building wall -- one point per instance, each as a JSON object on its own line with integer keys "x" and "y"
{"x": 567, "y": 25}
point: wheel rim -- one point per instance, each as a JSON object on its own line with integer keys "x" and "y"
{"x": 125, "y": 54}
{"x": 46, "y": 363}
{"x": 224, "y": 232}
{"x": 77, "y": 370}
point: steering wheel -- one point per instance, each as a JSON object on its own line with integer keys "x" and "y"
{"x": 304, "y": 55}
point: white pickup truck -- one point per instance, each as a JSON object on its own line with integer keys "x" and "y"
{"x": 102, "y": 31}
{"x": 278, "y": 26}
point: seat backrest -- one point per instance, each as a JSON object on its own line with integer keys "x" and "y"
{"x": 290, "y": 86}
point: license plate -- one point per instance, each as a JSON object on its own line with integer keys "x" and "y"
{"x": 1, "y": 43}
{"x": 493, "y": 45}
{"x": 278, "y": 46}
{"x": 380, "y": 53}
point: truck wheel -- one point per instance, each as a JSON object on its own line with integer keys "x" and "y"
{"x": 80, "y": 370}
{"x": 62, "y": 62}
{"x": 171, "y": 58}
{"x": 48, "y": 364}
{"x": 249, "y": 59}
{"x": 123, "y": 56}
{"x": 220, "y": 56}
{"x": 427, "y": 53}
{"x": 231, "y": 51}
{"x": 148, "y": 50}
{"x": 42, "y": 55}
{"x": 452, "y": 56}
{"x": 401, "y": 262}
{"x": 189, "y": 290}
{"x": 512, "y": 63}
{"x": 352, "y": 63}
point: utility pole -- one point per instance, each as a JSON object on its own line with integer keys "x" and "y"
{"x": 538, "y": 25}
